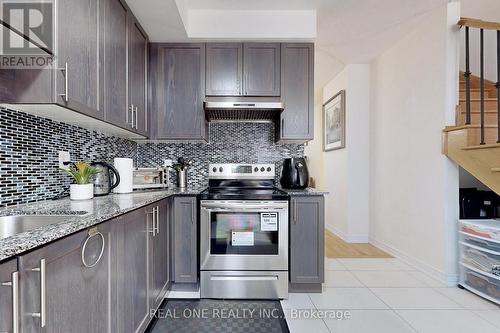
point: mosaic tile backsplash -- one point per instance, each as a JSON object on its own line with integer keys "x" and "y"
{"x": 229, "y": 143}
{"x": 29, "y": 147}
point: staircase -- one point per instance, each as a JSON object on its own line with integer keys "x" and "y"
{"x": 475, "y": 145}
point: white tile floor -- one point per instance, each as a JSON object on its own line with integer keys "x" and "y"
{"x": 389, "y": 296}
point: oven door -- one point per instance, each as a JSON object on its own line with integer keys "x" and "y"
{"x": 244, "y": 235}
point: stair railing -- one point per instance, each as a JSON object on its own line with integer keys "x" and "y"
{"x": 481, "y": 25}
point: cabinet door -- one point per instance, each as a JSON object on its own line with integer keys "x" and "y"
{"x": 115, "y": 64}
{"x": 137, "y": 75}
{"x": 261, "y": 69}
{"x": 9, "y": 297}
{"x": 297, "y": 92}
{"x": 77, "y": 45}
{"x": 224, "y": 69}
{"x": 70, "y": 293}
{"x": 177, "y": 76}
{"x": 159, "y": 254}
{"x": 185, "y": 240}
{"x": 133, "y": 242}
{"x": 307, "y": 234}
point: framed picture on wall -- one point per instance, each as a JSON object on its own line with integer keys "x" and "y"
{"x": 334, "y": 122}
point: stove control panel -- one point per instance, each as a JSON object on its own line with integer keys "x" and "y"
{"x": 241, "y": 171}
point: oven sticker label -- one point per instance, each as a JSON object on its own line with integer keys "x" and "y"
{"x": 242, "y": 238}
{"x": 269, "y": 222}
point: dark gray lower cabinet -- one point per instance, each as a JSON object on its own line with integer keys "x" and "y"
{"x": 159, "y": 272}
{"x": 185, "y": 248}
{"x": 307, "y": 237}
{"x": 65, "y": 285}
{"x": 9, "y": 288}
{"x": 132, "y": 234}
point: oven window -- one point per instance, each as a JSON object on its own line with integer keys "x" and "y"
{"x": 244, "y": 233}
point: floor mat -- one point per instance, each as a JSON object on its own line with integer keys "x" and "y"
{"x": 221, "y": 316}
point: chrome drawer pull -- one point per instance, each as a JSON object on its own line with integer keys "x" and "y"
{"x": 93, "y": 234}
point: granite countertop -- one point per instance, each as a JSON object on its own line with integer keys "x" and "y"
{"x": 97, "y": 210}
{"x": 306, "y": 191}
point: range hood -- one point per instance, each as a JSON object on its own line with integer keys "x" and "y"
{"x": 242, "y": 108}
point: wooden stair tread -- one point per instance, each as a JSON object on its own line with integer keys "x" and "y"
{"x": 461, "y": 127}
{"x": 487, "y": 99}
{"x": 486, "y": 146}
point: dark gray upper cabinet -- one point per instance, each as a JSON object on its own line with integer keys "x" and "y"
{"x": 115, "y": 64}
{"x": 77, "y": 38}
{"x": 9, "y": 288}
{"x": 224, "y": 69}
{"x": 307, "y": 236}
{"x": 137, "y": 48}
{"x": 235, "y": 69}
{"x": 185, "y": 249}
{"x": 73, "y": 297}
{"x": 159, "y": 253}
{"x": 297, "y": 92}
{"x": 132, "y": 267}
{"x": 261, "y": 69}
{"x": 77, "y": 46}
{"x": 177, "y": 86}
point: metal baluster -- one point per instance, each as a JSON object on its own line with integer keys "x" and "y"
{"x": 482, "y": 86}
{"x": 498, "y": 83}
{"x": 467, "y": 78}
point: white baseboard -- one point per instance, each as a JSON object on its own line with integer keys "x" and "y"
{"x": 448, "y": 279}
{"x": 346, "y": 237}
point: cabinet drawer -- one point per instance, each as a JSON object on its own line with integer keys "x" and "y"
{"x": 477, "y": 257}
{"x": 478, "y": 241}
{"x": 488, "y": 229}
{"x": 487, "y": 287}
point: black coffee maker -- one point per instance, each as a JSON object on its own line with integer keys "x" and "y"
{"x": 294, "y": 174}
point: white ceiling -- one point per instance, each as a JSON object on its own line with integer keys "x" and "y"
{"x": 347, "y": 31}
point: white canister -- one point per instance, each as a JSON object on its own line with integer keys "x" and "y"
{"x": 81, "y": 192}
{"x": 125, "y": 167}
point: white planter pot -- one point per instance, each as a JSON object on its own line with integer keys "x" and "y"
{"x": 81, "y": 192}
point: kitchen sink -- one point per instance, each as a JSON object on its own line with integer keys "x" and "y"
{"x": 16, "y": 224}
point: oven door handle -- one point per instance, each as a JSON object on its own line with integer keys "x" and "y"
{"x": 245, "y": 206}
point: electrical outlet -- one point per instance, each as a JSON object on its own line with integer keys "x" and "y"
{"x": 64, "y": 156}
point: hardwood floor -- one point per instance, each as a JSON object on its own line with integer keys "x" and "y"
{"x": 337, "y": 248}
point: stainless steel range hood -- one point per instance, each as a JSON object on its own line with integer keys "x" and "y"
{"x": 243, "y": 108}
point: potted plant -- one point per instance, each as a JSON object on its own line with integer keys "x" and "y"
{"x": 82, "y": 174}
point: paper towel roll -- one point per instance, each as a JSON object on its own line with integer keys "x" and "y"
{"x": 125, "y": 167}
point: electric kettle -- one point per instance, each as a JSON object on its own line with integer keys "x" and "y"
{"x": 104, "y": 181}
{"x": 294, "y": 174}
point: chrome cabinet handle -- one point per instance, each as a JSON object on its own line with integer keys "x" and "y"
{"x": 43, "y": 297}
{"x": 135, "y": 117}
{"x": 152, "y": 231}
{"x": 157, "y": 220}
{"x": 92, "y": 234}
{"x": 294, "y": 211}
{"x": 14, "y": 284}
{"x": 193, "y": 212}
{"x": 65, "y": 95}
{"x": 130, "y": 110}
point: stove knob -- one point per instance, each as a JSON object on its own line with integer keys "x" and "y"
{"x": 262, "y": 169}
{"x": 221, "y": 169}
{"x": 256, "y": 169}
{"x": 268, "y": 169}
{"x": 214, "y": 169}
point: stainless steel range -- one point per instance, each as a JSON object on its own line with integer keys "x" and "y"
{"x": 243, "y": 234}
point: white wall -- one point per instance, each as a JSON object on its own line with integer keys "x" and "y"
{"x": 346, "y": 170}
{"x": 488, "y": 10}
{"x": 413, "y": 187}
